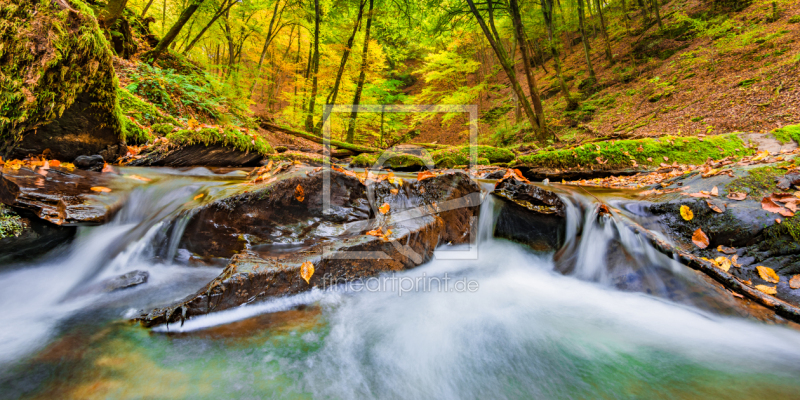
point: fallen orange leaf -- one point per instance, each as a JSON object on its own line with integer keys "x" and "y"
{"x": 101, "y": 189}
{"x": 424, "y": 175}
{"x": 794, "y": 283}
{"x": 768, "y": 274}
{"x": 306, "y": 271}
{"x": 736, "y": 196}
{"x": 384, "y": 208}
{"x": 700, "y": 239}
{"x": 394, "y": 192}
{"x": 299, "y": 194}
{"x": 767, "y": 289}
{"x": 199, "y": 196}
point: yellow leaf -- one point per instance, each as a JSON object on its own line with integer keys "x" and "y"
{"x": 384, "y": 208}
{"x": 306, "y": 271}
{"x": 735, "y": 261}
{"x": 768, "y": 274}
{"x": 102, "y": 189}
{"x": 767, "y": 289}
{"x": 199, "y": 196}
{"x": 396, "y": 181}
{"x": 686, "y": 213}
{"x": 723, "y": 263}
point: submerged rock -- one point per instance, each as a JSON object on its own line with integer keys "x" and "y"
{"x": 59, "y": 89}
{"x": 58, "y": 195}
{"x": 371, "y": 227}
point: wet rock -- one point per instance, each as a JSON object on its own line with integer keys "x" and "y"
{"x": 530, "y": 196}
{"x": 540, "y": 174}
{"x": 60, "y": 196}
{"x": 62, "y": 89}
{"x": 36, "y": 238}
{"x": 787, "y": 181}
{"x": 124, "y": 281}
{"x": 90, "y": 163}
{"x": 275, "y": 233}
{"x": 531, "y": 215}
{"x": 198, "y": 154}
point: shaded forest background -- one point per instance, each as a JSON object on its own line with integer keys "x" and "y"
{"x": 599, "y": 69}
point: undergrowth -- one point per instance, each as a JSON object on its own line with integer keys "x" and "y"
{"x": 225, "y": 137}
{"x": 10, "y": 224}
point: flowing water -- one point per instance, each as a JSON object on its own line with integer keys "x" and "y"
{"x": 605, "y": 317}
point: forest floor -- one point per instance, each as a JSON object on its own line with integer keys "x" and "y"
{"x": 704, "y": 73}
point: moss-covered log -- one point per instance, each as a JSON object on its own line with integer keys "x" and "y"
{"x": 57, "y": 82}
{"x": 314, "y": 138}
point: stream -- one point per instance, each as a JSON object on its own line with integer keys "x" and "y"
{"x": 607, "y": 316}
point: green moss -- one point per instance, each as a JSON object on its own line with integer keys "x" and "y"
{"x": 646, "y": 152}
{"x": 135, "y": 134}
{"x": 448, "y": 158}
{"x": 143, "y": 112}
{"x": 758, "y": 182}
{"x": 10, "y": 223}
{"x": 395, "y": 160}
{"x": 162, "y": 129}
{"x": 38, "y": 86}
{"x": 787, "y": 133}
{"x": 299, "y": 157}
{"x": 228, "y": 137}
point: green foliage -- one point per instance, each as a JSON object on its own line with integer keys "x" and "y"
{"x": 620, "y": 153}
{"x": 72, "y": 57}
{"x": 143, "y": 112}
{"x": 10, "y": 223}
{"x": 189, "y": 93}
{"x": 227, "y": 137}
{"x": 787, "y": 133}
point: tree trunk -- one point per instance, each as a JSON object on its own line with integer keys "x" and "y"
{"x": 503, "y": 58}
{"x": 585, "y": 40}
{"x": 604, "y": 31}
{"x": 210, "y": 23}
{"x": 351, "y": 128}
{"x": 519, "y": 30}
{"x": 331, "y": 98}
{"x": 147, "y": 7}
{"x": 317, "y": 139}
{"x": 111, "y": 12}
{"x": 270, "y": 35}
{"x": 315, "y": 69}
{"x": 656, "y": 8}
{"x": 164, "y": 43}
{"x": 547, "y": 10}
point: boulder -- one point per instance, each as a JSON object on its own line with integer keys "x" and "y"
{"x": 273, "y": 233}
{"x": 59, "y": 85}
{"x": 59, "y": 195}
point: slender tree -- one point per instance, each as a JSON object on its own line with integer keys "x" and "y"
{"x": 604, "y": 31}
{"x": 547, "y": 11}
{"x": 331, "y": 98}
{"x": 500, "y": 52}
{"x": 351, "y": 128}
{"x": 173, "y": 32}
{"x": 220, "y": 11}
{"x": 585, "y": 40}
{"x": 519, "y": 35}
{"x": 276, "y": 16}
{"x": 314, "y": 69}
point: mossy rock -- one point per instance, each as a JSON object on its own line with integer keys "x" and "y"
{"x": 223, "y": 137}
{"x": 58, "y": 81}
{"x": 787, "y": 134}
{"x": 448, "y": 158}
{"x": 645, "y": 152}
{"x": 394, "y": 161}
{"x": 305, "y": 158}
